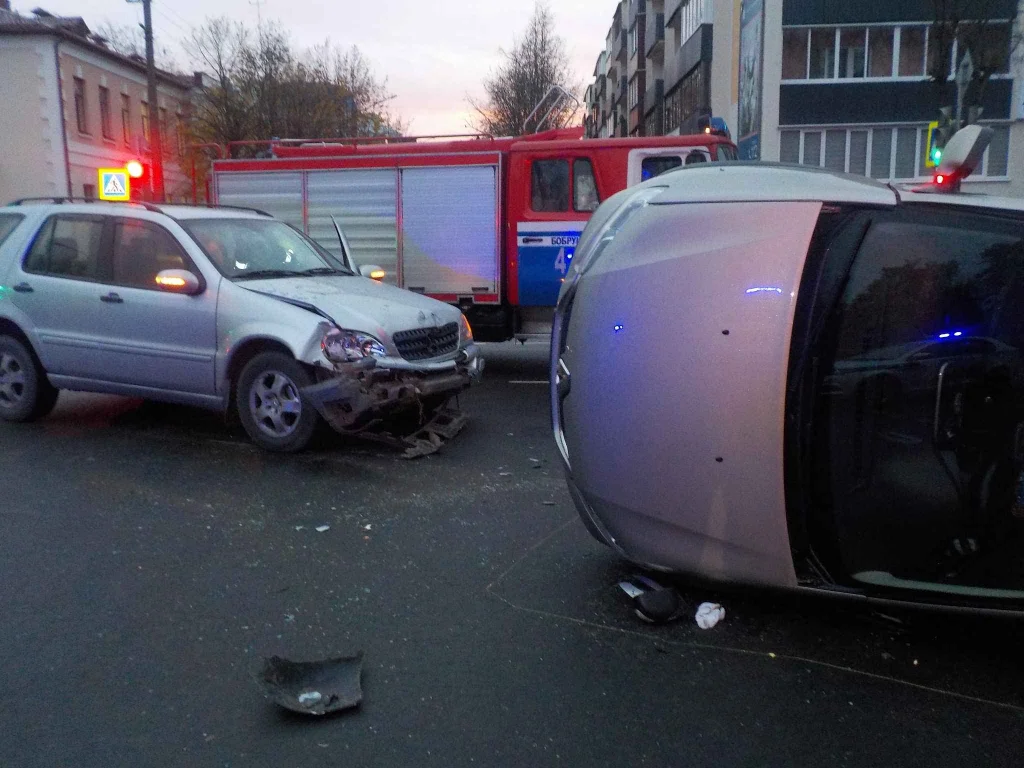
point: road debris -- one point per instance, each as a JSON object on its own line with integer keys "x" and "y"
{"x": 653, "y": 602}
{"x": 322, "y": 528}
{"x": 314, "y": 687}
{"x": 548, "y": 503}
{"x": 709, "y": 614}
{"x": 368, "y": 526}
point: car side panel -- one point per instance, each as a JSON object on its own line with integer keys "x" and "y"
{"x": 677, "y": 349}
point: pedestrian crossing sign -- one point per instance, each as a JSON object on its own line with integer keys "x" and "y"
{"x": 114, "y": 184}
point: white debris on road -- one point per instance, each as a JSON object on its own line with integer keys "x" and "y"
{"x": 709, "y": 614}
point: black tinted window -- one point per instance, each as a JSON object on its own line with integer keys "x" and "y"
{"x": 697, "y": 156}
{"x": 68, "y": 246}
{"x": 550, "y": 185}
{"x": 141, "y": 250}
{"x": 8, "y": 221}
{"x": 584, "y": 186}
{"x": 655, "y": 166}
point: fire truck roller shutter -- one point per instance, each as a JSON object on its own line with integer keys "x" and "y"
{"x": 279, "y": 194}
{"x": 364, "y": 202}
{"x": 450, "y": 230}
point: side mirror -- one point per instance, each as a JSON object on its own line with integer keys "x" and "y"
{"x": 373, "y": 272}
{"x": 178, "y": 281}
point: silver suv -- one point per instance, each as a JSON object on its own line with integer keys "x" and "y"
{"x": 218, "y": 308}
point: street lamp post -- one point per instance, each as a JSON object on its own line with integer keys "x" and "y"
{"x": 155, "y": 144}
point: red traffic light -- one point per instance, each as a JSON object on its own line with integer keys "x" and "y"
{"x": 135, "y": 169}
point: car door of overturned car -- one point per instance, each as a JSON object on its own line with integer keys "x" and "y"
{"x": 905, "y": 455}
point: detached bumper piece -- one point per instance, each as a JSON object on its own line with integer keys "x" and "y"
{"x": 401, "y": 405}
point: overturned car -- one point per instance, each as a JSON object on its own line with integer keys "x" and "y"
{"x": 224, "y": 309}
{"x": 786, "y": 377}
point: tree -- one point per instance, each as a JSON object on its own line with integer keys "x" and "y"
{"x": 535, "y": 63}
{"x": 256, "y": 87}
{"x": 980, "y": 27}
{"x": 131, "y": 42}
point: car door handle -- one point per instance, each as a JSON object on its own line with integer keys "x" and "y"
{"x": 112, "y": 298}
{"x": 24, "y": 288}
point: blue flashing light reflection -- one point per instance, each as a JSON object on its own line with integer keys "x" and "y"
{"x": 943, "y": 335}
{"x": 618, "y": 327}
{"x": 765, "y": 289}
{"x": 959, "y": 333}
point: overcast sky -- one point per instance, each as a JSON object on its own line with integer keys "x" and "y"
{"x": 433, "y": 52}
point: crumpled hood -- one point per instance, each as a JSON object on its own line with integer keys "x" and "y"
{"x": 359, "y": 304}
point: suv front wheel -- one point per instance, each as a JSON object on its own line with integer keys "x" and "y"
{"x": 270, "y": 407}
{"x": 25, "y": 392}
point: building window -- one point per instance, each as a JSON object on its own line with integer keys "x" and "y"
{"x": 144, "y": 109}
{"x": 634, "y": 92}
{"x": 880, "y": 51}
{"x": 884, "y": 51}
{"x": 179, "y": 124}
{"x": 89, "y": 191}
{"x": 632, "y": 40}
{"x": 794, "y": 54}
{"x": 126, "y": 118}
{"x": 823, "y": 54}
{"x": 912, "y": 51}
{"x": 105, "y": 123}
{"x": 81, "y": 118}
{"x": 852, "y": 52}
{"x": 883, "y": 152}
{"x": 692, "y": 16}
{"x": 691, "y": 92}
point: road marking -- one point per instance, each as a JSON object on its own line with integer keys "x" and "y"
{"x": 526, "y": 381}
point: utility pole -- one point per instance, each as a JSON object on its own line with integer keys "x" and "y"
{"x": 155, "y": 145}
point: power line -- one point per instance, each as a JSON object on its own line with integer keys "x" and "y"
{"x": 171, "y": 21}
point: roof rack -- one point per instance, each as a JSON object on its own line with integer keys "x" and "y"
{"x": 153, "y": 207}
{"x": 59, "y": 200}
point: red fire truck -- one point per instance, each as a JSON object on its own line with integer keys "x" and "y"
{"x": 489, "y": 224}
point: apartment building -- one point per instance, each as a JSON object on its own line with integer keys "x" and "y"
{"x": 846, "y": 86}
{"x": 79, "y": 107}
{"x": 659, "y": 72}
{"x": 852, "y": 87}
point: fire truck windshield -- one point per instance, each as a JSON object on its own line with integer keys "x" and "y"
{"x": 261, "y": 248}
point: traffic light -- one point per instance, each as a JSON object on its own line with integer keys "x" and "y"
{"x": 141, "y": 177}
{"x": 941, "y": 135}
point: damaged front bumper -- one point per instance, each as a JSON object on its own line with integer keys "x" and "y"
{"x": 355, "y": 396}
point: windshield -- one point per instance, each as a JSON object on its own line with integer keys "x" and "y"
{"x": 261, "y": 248}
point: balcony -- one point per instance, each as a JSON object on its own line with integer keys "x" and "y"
{"x": 654, "y": 35}
{"x": 671, "y": 10}
{"x": 600, "y": 87}
{"x": 694, "y": 51}
{"x": 654, "y": 97}
{"x": 636, "y": 8}
{"x": 622, "y": 51}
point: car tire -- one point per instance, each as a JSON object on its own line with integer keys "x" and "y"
{"x": 272, "y": 411}
{"x": 25, "y": 392}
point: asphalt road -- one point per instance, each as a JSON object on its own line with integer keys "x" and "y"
{"x": 150, "y": 558}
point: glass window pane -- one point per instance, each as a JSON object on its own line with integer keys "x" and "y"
{"x": 69, "y": 247}
{"x": 999, "y": 151}
{"x": 655, "y": 166}
{"x": 812, "y": 148}
{"x": 906, "y": 153}
{"x": 550, "y": 185}
{"x": 794, "y": 54}
{"x": 851, "y": 52}
{"x": 993, "y": 44}
{"x": 835, "y": 150}
{"x": 859, "y": 152}
{"x": 789, "y": 149}
{"x": 823, "y": 49}
{"x": 8, "y": 221}
{"x": 940, "y": 50}
{"x": 141, "y": 250}
{"x": 584, "y": 188}
{"x": 880, "y": 52}
{"x": 912, "y": 51}
{"x": 881, "y": 152}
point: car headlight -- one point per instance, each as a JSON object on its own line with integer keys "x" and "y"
{"x": 341, "y": 346}
{"x": 465, "y": 331}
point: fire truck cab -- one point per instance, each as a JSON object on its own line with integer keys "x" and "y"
{"x": 488, "y": 224}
